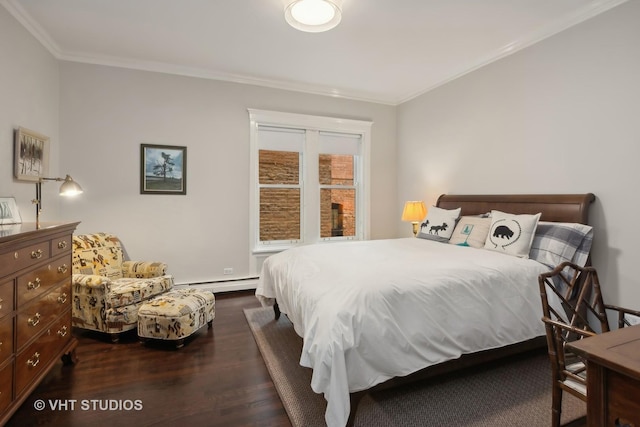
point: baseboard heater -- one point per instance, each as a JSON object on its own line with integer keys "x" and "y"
{"x": 224, "y": 285}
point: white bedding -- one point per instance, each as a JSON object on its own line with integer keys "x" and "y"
{"x": 372, "y": 310}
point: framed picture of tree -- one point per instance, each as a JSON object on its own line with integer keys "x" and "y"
{"x": 163, "y": 169}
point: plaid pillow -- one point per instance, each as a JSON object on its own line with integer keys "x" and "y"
{"x": 557, "y": 242}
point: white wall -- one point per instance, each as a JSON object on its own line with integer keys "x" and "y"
{"x": 106, "y": 113}
{"x": 28, "y": 98}
{"x": 561, "y": 116}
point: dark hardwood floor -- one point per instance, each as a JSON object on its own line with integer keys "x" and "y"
{"x": 217, "y": 379}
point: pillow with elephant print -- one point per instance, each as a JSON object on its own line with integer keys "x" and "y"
{"x": 511, "y": 234}
{"x": 439, "y": 224}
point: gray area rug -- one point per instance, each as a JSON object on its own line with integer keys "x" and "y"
{"x": 512, "y": 393}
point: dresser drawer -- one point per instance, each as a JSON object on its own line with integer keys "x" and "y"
{"x": 6, "y": 386}
{"x": 35, "y": 283}
{"x": 6, "y": 338}
{"x": 35, "y": 317}
{"x": 35, "y": 358}
{"x": 23, "y": 258}
{"x": 6, "y": 298}
{"x": 60, "y": 245}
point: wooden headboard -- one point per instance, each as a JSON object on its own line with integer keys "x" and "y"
{"x": 554, "y": 207}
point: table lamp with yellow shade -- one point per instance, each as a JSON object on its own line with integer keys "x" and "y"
{"x": 414, "y": 212}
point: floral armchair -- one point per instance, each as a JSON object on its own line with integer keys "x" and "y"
{"x": 108, "y": 290}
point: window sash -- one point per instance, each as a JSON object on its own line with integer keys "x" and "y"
{"x": 262, "y": 217}
{"x": 267, "y": 215}
{"x": 338, "y": 213}
{"x": 341, "y": 196}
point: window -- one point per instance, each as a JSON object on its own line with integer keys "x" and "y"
{"x": 309, "y": 176}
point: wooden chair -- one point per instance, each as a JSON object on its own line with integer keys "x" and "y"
{"x": 573, "y": 308}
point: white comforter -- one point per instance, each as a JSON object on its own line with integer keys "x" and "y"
{"x": 372, "y": 310}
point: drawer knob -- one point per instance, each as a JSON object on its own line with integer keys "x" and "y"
{"x": 62, "y": 298}
{"x": 1, "y": 301}
{"x": 36, "y": 254}
{"x": 62, "y": 331}
{"x": 34, "y": 285}
{"x": 35, "y": 359}
{"x": 63, "y": 268}
{"x": 62, "y": 244}
{"x": 35, "y": 320}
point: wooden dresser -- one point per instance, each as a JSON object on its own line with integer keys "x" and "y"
{"x": 35, "y": 308}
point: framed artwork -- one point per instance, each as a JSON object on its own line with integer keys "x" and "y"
{"x": 31, "y": 154}
{"x": 163, "y": 169}
{"x": 9, "y": 213}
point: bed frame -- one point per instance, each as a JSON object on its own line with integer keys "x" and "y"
{"x": 554, "y": 207}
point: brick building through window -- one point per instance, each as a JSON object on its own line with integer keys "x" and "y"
{"x": 337, "y": 206}
{"x": 308, "y": 175}
{"x": 280, "y": 207}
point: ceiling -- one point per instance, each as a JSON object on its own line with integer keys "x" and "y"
{"x": 385, "y": 51}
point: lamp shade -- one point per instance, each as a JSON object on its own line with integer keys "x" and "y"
{"x": 414, "y": 211}
{"x": 313, "y": 16}
{"x": 69, "y": 187}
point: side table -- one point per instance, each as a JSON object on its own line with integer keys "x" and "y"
{"x": 613, "y": 377}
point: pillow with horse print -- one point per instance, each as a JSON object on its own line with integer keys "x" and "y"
{"x": 439, "y": 224}
{"x": 512, "y": 234}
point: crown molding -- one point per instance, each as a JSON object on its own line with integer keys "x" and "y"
{"x": 589, "y": 11}
{"x": 23, "y": 17}
{"x": 203, "y": 73}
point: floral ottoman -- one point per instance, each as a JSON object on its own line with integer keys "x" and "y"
{"x": 176, "y": 315}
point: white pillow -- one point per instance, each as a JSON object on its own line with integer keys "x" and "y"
{"x": 439, "y": 224}
{"x": 471, "y": 231}
{"x": 511, "y": 234}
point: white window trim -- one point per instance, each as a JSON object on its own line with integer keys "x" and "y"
{"x": 309, "y": 122}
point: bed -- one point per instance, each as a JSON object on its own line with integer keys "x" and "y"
{"x": 374, "y": 314}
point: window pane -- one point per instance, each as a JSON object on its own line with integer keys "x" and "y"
{"x": 336, "y": 169}
{"x": 337, "y": 212}
{"x": 279, "y": 167}
{"x": 279, "y": 214}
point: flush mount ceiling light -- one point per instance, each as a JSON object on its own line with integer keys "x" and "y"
{"x": 313, "y": 16}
